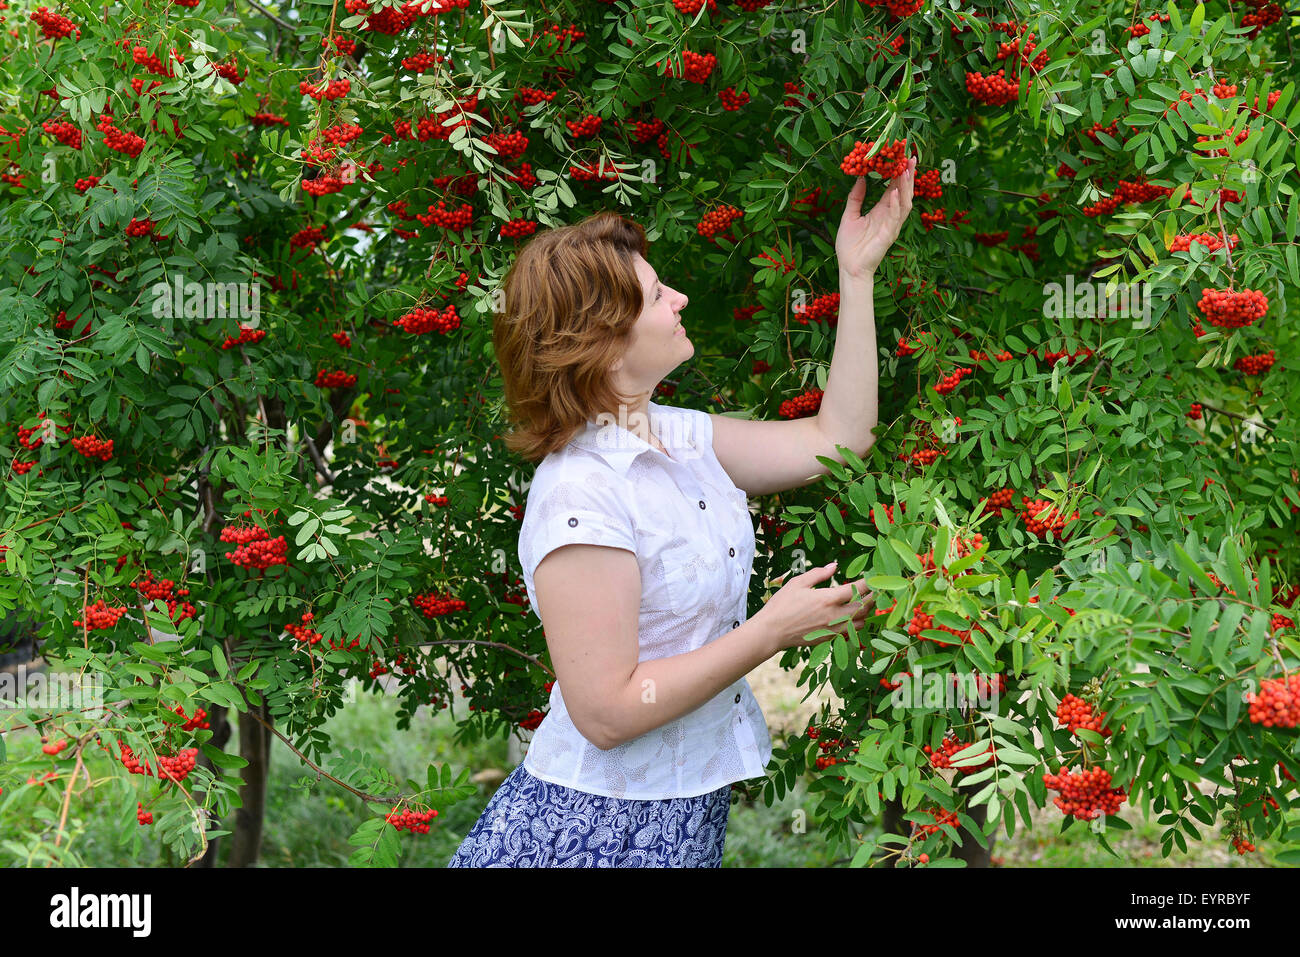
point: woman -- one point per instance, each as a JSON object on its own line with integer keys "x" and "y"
{"x": 637, "y": 548}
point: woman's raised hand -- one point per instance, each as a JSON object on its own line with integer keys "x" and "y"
{"x": 862, "y": 241}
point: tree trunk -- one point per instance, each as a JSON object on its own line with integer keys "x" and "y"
{"x": 255, "y": 748}
{"x": 891, "y": 819}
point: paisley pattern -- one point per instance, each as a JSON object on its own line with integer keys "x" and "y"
{"x": 534, "y": 823}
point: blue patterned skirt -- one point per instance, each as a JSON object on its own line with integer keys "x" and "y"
{"x": 534, "y": 823}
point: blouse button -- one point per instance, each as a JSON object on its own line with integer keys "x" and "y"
{"x": 701, "y": 503}
{"x": 731, "y": 552}
{"x": 573, "y": 522}
{"x": 735, "y": 624}
{"x": 737, "y": 698}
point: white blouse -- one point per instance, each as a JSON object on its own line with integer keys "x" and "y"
{"x": 693, "y": 536}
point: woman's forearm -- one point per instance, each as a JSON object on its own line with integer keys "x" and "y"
{"x": 850, "y": 407}
{"x": 665, "y": 689}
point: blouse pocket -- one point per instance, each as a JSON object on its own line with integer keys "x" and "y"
{"x": 687, "y": 583}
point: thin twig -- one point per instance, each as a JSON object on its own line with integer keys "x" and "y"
{"x": 267, "y": 13}
{"x": 316, "y": 458}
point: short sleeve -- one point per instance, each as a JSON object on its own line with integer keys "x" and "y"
{"x": 577, "y": 507}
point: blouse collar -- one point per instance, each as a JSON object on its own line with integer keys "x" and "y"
{"x": 619, "y": 446}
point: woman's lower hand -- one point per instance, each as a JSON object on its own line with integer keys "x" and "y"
{"x": 799, "y": 608}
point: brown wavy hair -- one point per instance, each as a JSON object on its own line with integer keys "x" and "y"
{"x": 571, "y": 298}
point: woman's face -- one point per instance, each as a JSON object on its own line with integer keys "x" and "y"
{"x": 659, "y": 343}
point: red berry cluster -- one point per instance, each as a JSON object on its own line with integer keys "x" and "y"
{"x": 950, "y": 746}
{"x": 994, "y": 89}
{"x": 941, "y": 817}
{"x": 307, "y": 238}
{"x": 1237, "y": 140}
{"x": 889, "y": 513}
{"x": 929, "y": 452}
{"x": 718, "y": 221}
{"x": 132, "y": 763}
{"x": 507, "y": 145}
{"x": 177, "y": 767}
{"x": 1126, "y": 193}
{"x": 1240, "y": 844}
{"x": 825, "y": 308}
{"x": 420, "y": 321}
{"x": 1075, "y": 713}
{"x": 55, "y": 747}
{"x": 141, "y": 55}
{"x": 801, "y": 405}
{"x": 586, "y": 127}
{"x": 1255, "y": 365}
{"x": 323, "y": 185}
{"x": 454, "y": 219}
{"x": 434, "y": 605}
{"x": 119, "y": 140}
{"x": 194, "y": 722}
{"x": 63, "y": 131}
{"x": 950, "y": 382}
{"x": 417, "y": 822}
{"x": 589, "y": 172}
{"x": 141, "y": 815}
{"x": 564, "y": 37}
{"x": 1281, "y": 621}
{"x": 696, "y": 66}
{"x": 268, "y": 119}
{"x": 691, "y": 7}
{"x": 731, "y": 100}
{"x": 1085, "y": 794}
{"x": 1277, "y": 704}
{"x": 906, "y": 348}
{"x": 1041, "y": 518}
{"x": 52, "y": 25}
{"x": 333, "y": 90}
{"x": 532, "y": 720}
{"x": 335, "y": 380}
{"x": 962, "y": 546}
{"x": 889, "y": 162}
{"x": 302, "y": 632}
{"x": 85, "y": 183}
{"x": 421, "y": 61}
{"x": 342, "y": 338}
{"x": 1231, "y": 310}
{"x": 93, "y": 448}
{"x": 256, "y": 548}
{"x": 1196, "y": 412}
{"x": 1183, "y": 242}
{"x": 516, "y": 228}
{"x": 760, "y": 366}
{"x": 151, "y": 591}
{"x": 140, "y": 227}
{"x": 924, "y": 622}
{"x": 997, "y": 501}
{"x": 246, "y": 335}
{"x": 439, "y": 500}
{"x": 927, "y": 185}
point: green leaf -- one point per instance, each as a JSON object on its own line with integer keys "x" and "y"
{"x": 219, "y": 660}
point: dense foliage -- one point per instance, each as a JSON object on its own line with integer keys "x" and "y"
{"x": 253, "y": 422}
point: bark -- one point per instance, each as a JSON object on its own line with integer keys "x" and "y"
{"x": 971, "y": 852}
{"x": 255, "y": 748}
